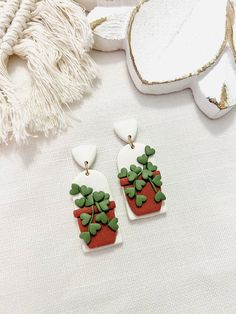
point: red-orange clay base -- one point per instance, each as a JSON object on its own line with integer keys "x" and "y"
{"x": 105, "y": 236}
{"x": 150, "y": 206}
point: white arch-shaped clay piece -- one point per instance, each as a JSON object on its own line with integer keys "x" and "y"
{"x": 172, "y": 45}
{"x": 128, "y": 156}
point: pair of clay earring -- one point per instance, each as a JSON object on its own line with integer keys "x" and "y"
{"x": 140, "y": 181}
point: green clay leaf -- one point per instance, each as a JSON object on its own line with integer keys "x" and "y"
{"x": 98, "y": 196}
{"x": 160, "y": 197}
{"x": 113, "y": 224}
{"x": 123, "y": 173}
{"x": 107, "y": 196}
{"x": 146, "y": 174}
{"x": 85, "y": 218}
{"x": 157, "y": 180}
{"x": 135, "y": 169}
{"x": 85, "y": 236}
{"x": 89, "y": 201}
{"x": 149, "y": 151}
{"x": 130, "y": 192}
{"x": 104, "y": 205}
{"x": 93, "y": 228}
{"x": 132, "y": 176}
{"x": 139, "y": 184}
{"x": 102, "y": 217}
{"x": 143, "y": 159}
{"x": 80, "y": 202}
{"x": 85, "y": 191}
{"x": 140, "y": 199}
{"x": 151, "y": 167}
{"x": 75, "y": 189}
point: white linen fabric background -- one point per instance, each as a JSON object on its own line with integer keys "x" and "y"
{"x": 184, "y": 262}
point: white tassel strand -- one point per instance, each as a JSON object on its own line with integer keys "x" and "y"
{"x": 54, "y": 38}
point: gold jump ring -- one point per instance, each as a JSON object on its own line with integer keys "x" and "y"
{"x": 86, "y": 168}
{"x": 131, "y": 143}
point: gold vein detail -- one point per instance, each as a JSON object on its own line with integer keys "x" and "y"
{"x": 223, "y": 104}
{"x": 97, "y": 22}
{"x": 199, "y": 71}
{"x": 230, "y": 26}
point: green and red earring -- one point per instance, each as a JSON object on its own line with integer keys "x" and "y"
{"x": 139, "y": 176}
{"x": 94, "y": 205}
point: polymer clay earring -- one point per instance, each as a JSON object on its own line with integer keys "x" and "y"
{"x": 94, "y": 205}
{"x": 140, "y": 180}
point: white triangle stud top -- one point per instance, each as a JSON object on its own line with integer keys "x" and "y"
{"x": 126, "y": 129}
{"x": 85, "y": 155}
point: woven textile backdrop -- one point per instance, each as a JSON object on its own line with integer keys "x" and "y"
{"x": 182, "y": 263}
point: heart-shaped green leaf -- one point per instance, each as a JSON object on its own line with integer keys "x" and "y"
{"x": 102, "y": 217}
{"x": 135, "y": 169}
{"x": 132, "y": 176}
{"x": 85, "y": 236}
{"x": 89, "y": 201}
{"x": 93, "y": 228}
{"x": 123, "y": 173}
{"x": 80, "y": 202}
{"x": 140, "y": 199}
{"x": 149, "y": 151}
{"x": 104, "y": 205}
{"x": 143, "y": 159}
{"x": 85, "y": 218}
{"x": 130, "y": 192}
{"x": 151, "y": 167}
{"x": 157, "y": 180}
{"x": 146, "y": 174}
{"x": 75, "y": 189}
{"x": 160, "y": 197}
{"x": 98, "y": 196}
{"x": 107, "y": 196}
{"x": 113, "y": 224}
{"x": 85, "y": 191}
{"x": 139, "y": 184}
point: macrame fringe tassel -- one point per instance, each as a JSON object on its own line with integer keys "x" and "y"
{"x": 55, "y": 45}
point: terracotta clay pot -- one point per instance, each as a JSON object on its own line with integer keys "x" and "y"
{"x": 105, "y": 236}
{"x": 150, "y": 206}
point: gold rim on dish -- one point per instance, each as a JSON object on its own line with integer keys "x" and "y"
{"x": 228, "y": 27}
